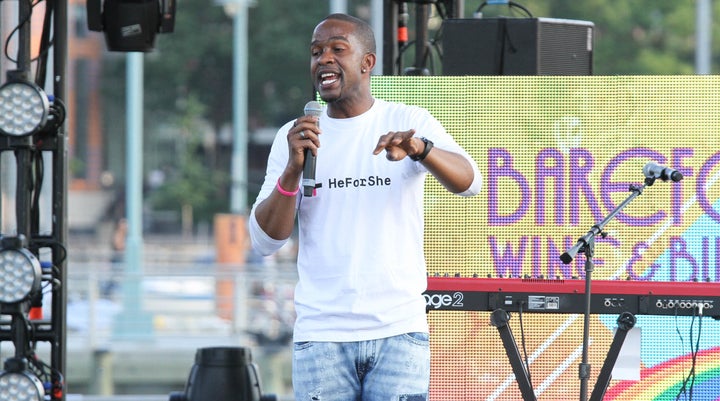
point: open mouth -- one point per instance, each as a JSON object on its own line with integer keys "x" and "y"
{"x": 328, "y": 78}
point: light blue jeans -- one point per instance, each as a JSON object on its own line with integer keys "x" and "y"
{"x": 389, "y": 369}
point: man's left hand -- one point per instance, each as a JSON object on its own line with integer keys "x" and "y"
{"x": 399, "y": 144}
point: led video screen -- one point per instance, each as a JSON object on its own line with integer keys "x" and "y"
{"x": 558, "y": 156}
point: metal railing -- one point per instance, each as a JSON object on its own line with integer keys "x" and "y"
{"x": 183, "y": 300}
{"x": 139, "y": 334}
{"x": 80, "y": 397}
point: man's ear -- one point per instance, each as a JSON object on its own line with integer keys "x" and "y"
{"x": 368, "y": 62}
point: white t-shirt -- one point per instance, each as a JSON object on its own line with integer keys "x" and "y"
{"x": 361, "y": 262}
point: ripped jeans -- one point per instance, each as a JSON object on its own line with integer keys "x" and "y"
{"x": 395, "y": 368}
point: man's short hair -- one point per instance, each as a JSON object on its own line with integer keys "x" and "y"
{"x": 363, "y": 30}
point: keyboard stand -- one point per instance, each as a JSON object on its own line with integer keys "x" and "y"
{"x": 499, "y": 318}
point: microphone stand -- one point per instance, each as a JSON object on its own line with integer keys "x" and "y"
{"x": 586, "y": 244}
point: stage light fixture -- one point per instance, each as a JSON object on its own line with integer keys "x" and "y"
{"x": 20, "y": 275}
{"x": 223, "y": 374}
{"x": 131, "y": 25}
{"x": 17, "y": 383}
{"x": 24, "y": 108}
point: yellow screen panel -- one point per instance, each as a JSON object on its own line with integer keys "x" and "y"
{"x": 558, "y": 155}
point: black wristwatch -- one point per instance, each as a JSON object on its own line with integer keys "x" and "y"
{"x": 428, "y": 145}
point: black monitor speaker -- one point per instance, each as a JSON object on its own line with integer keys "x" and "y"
{"x": 517, "y": 46}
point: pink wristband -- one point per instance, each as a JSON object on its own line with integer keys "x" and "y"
{"x": 284, "y": 192}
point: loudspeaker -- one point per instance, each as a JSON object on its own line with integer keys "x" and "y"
{"x": 517, "y": 46}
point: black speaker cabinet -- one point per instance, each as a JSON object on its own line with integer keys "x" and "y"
{"x": 517, "y": 46}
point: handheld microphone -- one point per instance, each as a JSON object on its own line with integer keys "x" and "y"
{"x": 653, "y": 171}
{"x": 312, "y": 108}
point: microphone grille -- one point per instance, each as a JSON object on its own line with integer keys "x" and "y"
{"x": 313, "y": 108}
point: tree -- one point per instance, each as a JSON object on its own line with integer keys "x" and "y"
{"x": 194, "y": 64}
{"x": 640, "y": 37}
{"x": 191, "y": 185}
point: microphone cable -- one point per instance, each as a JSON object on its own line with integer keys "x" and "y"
{"x": 689, "y": 381}
{"x": 522, "y": 342}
